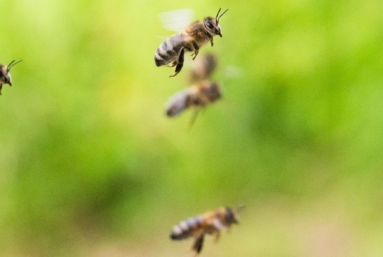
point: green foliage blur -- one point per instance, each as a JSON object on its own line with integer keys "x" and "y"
{"x": 91, "y": 166}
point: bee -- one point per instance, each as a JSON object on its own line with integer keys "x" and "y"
{"x": 209, "y": 223}
{"x": 5, "y": 75}
{"x": 203, "y": 68}
{"x": 191, "y": 39}
{"x": 200, "y": 95}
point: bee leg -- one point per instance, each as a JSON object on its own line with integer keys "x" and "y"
{"x": 211, "y": 39}
{"x": 217, "y": 237}
{"x": 1, "y": 86}
{"x": 196, "y": 50}
{"x": 180, "y": 63}
{"x": 193, "y": 118}
{"x": 197, "y": 246}
{"x": 173, "y": 64}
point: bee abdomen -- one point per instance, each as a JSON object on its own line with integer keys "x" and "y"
{"x": 177, "y": 103}
{"x": 161, "y": 55}
{"x": 186, "y": 228}
{"x": 168, "y": 51}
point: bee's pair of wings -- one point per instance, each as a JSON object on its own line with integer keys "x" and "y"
{"x": 176, "y": 20}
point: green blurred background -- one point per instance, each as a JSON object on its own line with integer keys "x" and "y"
{"x": 91, "y": 166}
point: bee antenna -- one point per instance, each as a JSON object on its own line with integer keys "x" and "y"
{"x": 217, "y": 18}
{"x": 223, "y": 13}
{"x": 13, "y": 63}
{"x": 10, "y": 64}
{"x": 240, "y": 208}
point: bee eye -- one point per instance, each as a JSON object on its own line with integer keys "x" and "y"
{"x": 209, "y": 24}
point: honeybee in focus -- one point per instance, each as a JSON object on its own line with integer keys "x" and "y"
{"x": 5, "y": 75}
{"x": 190, "y": 39}
{"x": 209, "y": 223}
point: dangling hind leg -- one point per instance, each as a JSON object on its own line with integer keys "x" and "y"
{"x": 216, "y": 237}
{"x": 180, "y": 63}
{"x": 197, "y": 246}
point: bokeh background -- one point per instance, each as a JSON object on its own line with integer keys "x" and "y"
{"x": 91, "y": 166}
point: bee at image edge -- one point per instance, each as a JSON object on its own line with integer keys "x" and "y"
{"x": 209, "y": 223}
{"x": 191, "y": 39}
{"x": 5, "y": 75}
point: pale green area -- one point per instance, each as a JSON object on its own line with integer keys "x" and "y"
{"x": 90, "y": 165}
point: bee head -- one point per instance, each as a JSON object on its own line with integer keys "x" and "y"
{"x": 211, "y": 24}
{"x": 231, "y": 216}
{"x": 5, "y": 76}
{"x": 212, "y": 91}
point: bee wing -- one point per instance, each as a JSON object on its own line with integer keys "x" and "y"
{"x": 176, "y": 20}
{"x": 218, "y": 224}
{"x": 232, "y": 71}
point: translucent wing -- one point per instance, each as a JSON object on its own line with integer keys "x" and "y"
{"x": 176, "y": 20}
{"x": 233, "y": 71}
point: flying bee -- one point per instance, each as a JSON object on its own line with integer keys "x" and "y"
{"x": 202, "y": 68}
{"x": 200, "y": 95}
{"x": 191, "y": 39}
{"x": 5, "y": 75}
{"x": 209, "y": 223}
{"x": 203, "y": 93}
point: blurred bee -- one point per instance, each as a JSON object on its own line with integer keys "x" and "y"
{"x": 203, "y": 68}
{"x": 5, "y": 75}
{"x": 203, "y": 93}
{"x": 191, "y": 39}
{"x": 209, "y": 223}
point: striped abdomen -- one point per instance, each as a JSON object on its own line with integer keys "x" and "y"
{"x": 186, "y": 228}
{"x": 169, "y": 50}
{"x": 177, "y": 103}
